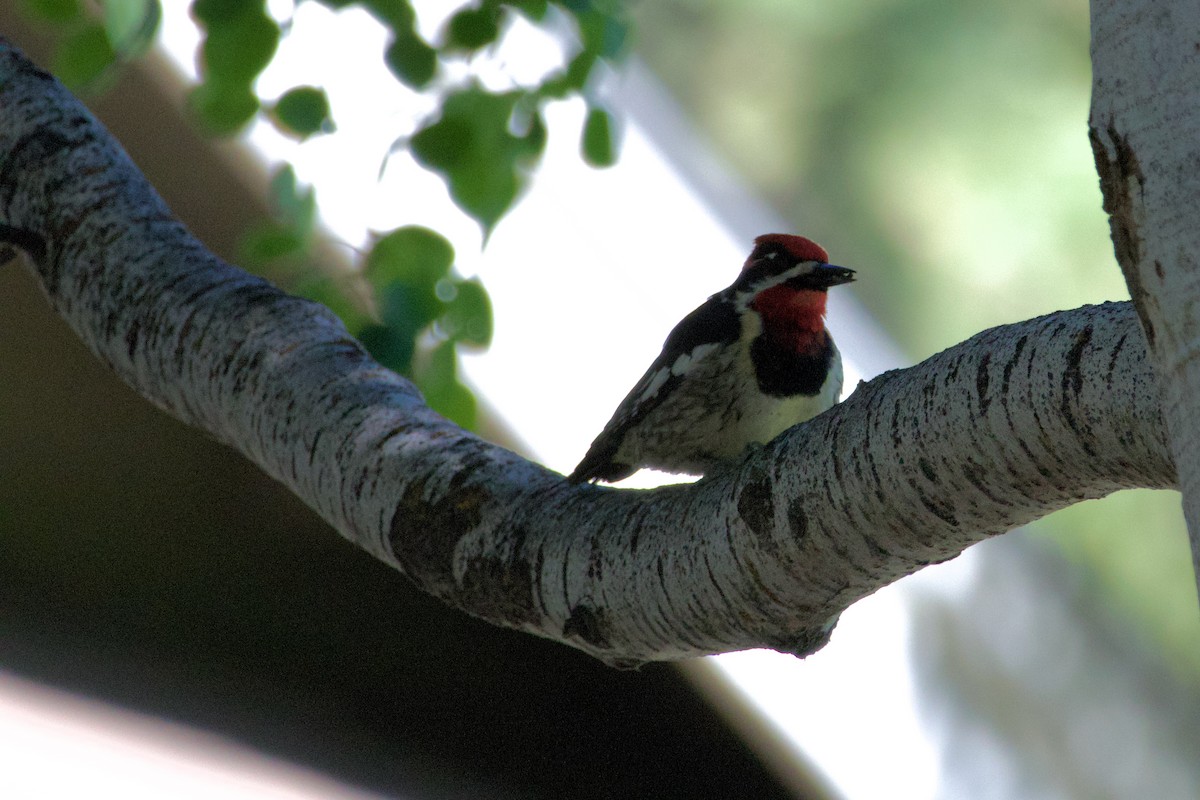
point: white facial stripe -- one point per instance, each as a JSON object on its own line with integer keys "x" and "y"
{"x": 802, "y": 268}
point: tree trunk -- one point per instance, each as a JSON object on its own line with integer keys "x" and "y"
{"x": 1145, "y": 132}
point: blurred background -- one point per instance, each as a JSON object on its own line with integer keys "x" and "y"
{"x": 938, "y": 147}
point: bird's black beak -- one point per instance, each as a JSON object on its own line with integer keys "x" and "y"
{"x": 830, "y": 275}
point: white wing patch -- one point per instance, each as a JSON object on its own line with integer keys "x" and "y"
{"x": 683, "y": 364}
{"x": 654, "y": 384}
{"x": 686, "y": 361}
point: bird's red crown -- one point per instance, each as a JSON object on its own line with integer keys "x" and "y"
{"x": 802, "y": 249}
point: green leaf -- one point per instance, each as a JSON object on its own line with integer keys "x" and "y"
{"x": 241, "y": 38}
{"x": 603, "y": 32}
{"x": 534, "y": 9}
{"x": 473, "y": 28}
{"x": 334, "y": 294}
{"x": 269, "y": 242}
{"x": 407, "y": 267}
{"x": 131, "y": 24}
{"x": 303, "y": 111}
{"x": 468, "y": 317}
{"x": 408, "y": 310}
{"x": 413, "y": 256}
{"x": 411, "y": 60}
{"x": 292, "y": 204}
{"x": 530, "y": 129}
{"x": 390, "y": 347}
{"x": 599, "y": 145}
{"x": 83, "y": 57}
{"x": 223, "y": 110}
{"x": 570, "y": 80}
{"x": 473, "y": 147}
{"x": 55, "y": 11}
{"x": 395, "y": 14}
{"x": 438, "y": 381}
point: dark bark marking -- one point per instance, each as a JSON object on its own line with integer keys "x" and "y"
{"x": 424, "y": 535}
{"x": 833, "y": 441}
{"x": 44, "y": 142}
{"x": 504, "y": 587}
{"x": 1116, "y": 354}
{"x": 1041, "y": 468}
{"x": 589, "y": 624}
{"x": 1120, "y": 175}
{"x": 131, "y": 337}
{"x": 927, "y": 469}
{"x": 938, "y": 508}
{"x": 28, "y": 241}
{"x": 806, "y": 641}
{"x": 754, "y": 504}
{"x": 424, "y": 532}
{"x": 847, "y": 556}
{"x": 1072, "y": 385}
{"x": 797, "y": 519}
{"x": 897, "y": 439}
{"x": 595, "y": 565}
{"x": 982, "y": 379}
{"x": 712, "y": 579}
{"x": 977, "y": 476}
{"x": 952, "y": 371}
{"x": 1073, "y": 375}
{"x": 760, "y": 585}
{"x": 880, "y": 552}
{"x": 36, "y": 147}
{"x": 1018, "y": 349}
{"x": 873, "y": 467}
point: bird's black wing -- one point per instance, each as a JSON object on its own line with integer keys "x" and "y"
{"x": 713, "y": 323}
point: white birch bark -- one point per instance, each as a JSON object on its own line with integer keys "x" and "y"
{"x": 914, "y": 467}
{"x": 1145, "y": 131}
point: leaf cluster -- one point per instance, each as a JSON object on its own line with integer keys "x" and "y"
{"x": 92, "y": 45}
{"x": 483, "y": 143}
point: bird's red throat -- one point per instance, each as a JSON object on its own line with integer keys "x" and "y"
{"x": 792, "y": 318}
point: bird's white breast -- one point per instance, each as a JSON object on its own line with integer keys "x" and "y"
{"x": 718, "y": 410}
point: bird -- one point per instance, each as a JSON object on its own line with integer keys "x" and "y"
{"x": 750, "y": 362}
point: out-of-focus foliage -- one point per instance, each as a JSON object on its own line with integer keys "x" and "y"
{"x": 598, "y": 138}
{"x": 940, "y": 148}
{"x": 92, "y": 45}
{"x": 303, "y": 111}
{"x": 240, "y": 38}
{"x": 484, "y": 143}
{"x": 1032, "y": 695}
{"x": 474, "y": 147}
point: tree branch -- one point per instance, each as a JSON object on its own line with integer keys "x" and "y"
{"x": 1145, "y": 131}
{"x": 914, "y": 467}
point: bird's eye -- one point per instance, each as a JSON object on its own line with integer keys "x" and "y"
{"x": 772, "y": 254}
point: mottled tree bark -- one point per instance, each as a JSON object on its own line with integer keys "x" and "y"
{"x": 914, "y": 467}
{"x": 1145, "y": 132}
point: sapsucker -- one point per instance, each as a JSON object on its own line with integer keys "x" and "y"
{"x": 751, "y": 362}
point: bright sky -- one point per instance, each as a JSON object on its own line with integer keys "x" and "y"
{"x": 587, "y": 276}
